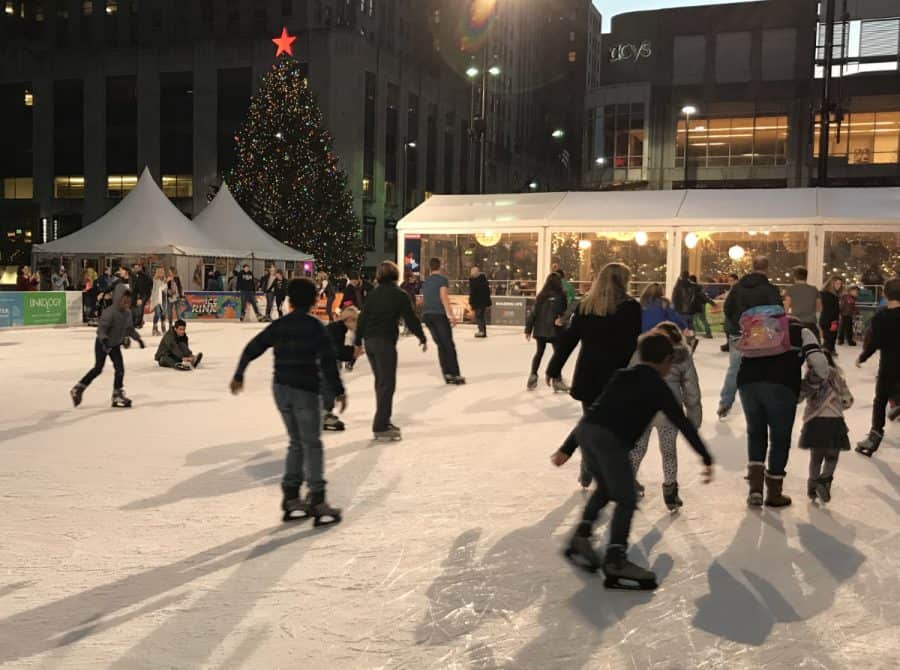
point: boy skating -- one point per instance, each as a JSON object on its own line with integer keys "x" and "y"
{"x": 115, "y": 327}
{"x": 341, "y": 333}
{"x": 607, "y": 433}
{"x": 303, "y": 352}
{"x": 884, "y": 337}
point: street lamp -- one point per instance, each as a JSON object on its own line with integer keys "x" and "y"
{"x": 533, "y": 186}
{"x": 558, "y": 134}
{"x": 472, "y": 72}
{"x": 600, "y": 161}
{"x": 688, "y": 111}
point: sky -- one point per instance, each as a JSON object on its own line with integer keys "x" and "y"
{"x": 609, "y": 8}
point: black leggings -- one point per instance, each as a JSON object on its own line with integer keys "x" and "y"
{"x": 539, "y": 354}
{"x": 100, "y": 354}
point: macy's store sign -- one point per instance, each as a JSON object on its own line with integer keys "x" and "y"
{"x": 631, "y": 53}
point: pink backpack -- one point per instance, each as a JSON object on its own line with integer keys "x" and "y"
{"x": 765, "y": 331}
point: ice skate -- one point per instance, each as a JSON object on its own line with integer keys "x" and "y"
{"x": 455, "y": 380}
{"x": 723, "y": 413}
{"x": 894, "y": 413}
{"x": 559, "y": 386}
{"x": 623, "y": 574}
{"x": 581, "y": 554}
{"x": 185, "y": 367}
{"x": 323, "y": 514}
{"x": 823, "y": 488}
{"x": 671, "y": 497}
{"x": 811, "y": 485}
{"x": 756, "y": 474}
{"x": 119, "y": 399}
{"x": 392, "y": 434}
{"x": 195, "y": 363}
{"x": 332, "y": 422}
{"x": 532, "y": 382}
{"x": 294, "y": 507}
{"x": 77, "y": 392}
{"x": 870, "y": 445}
{"x": 774, "y": 496}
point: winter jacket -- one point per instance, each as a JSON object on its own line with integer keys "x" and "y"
{"x": 786, "y": 369}
{"x": 701, "y": 300}
{"x": 267, "y": 283}
{"x": 831, "y": 310}
{"x": 655, "y": 313}
{"x": 570, "y": 290}
{"x": 59, "y": 282}
{"x": 848, "y": 305}
{"x": 158, "y": 296}
{"x": 607, "y": 344}
{"x": 826, "y": 397}
{"x": 753, "y": 290}
{"x": 174, "y": 290}
{"x": 479, "y": 292}
{"x": 173, "y": 347}
{"x": 884, "y": 336}
{"x": 279, "y": 288}
{"x": 353, "y": 295}
{"x": 116, "y": 323}
{"x": 104, "y": 283}
{"x": 684, "y": 383}
{"x": 684, "y": 295}
{"x": 337, "y": 331}
{"x": 541, "y": 321}
{"x": 141, "y": 286}
{"x": 245, "y": 282}
{"x": 385, "y": 306}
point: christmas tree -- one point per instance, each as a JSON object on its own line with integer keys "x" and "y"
{"x": 286, "y": 176}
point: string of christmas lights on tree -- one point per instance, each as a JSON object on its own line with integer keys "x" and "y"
{"x": 286, "y": 176}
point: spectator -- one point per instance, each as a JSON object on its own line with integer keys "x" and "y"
{"x": 479, "y": 299}
{"x": 830, "y": 312}
{"x": 59, "y": 281}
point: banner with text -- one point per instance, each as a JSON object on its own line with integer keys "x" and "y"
{"x": 45, "y": 308}
{"x": 12, "y": 310}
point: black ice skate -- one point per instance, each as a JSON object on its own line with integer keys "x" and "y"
{"x": 294, "y": 507}
{"x": 184, "y": 367}
{"x": 623, "y": 574}
{"x": 811, "y": 485}
{"x": 823, "y": 488}
{"x": 870, "y": 445}
{"x": 532, "y": 382}
{"x": 119, "y": 399}
{"x": 195, "y": 363}
{"x": 77, "y": 392}
{"x": 581, "y": 554}
{"x": 331, "y": 422}
{"x": 455, "y": 380}
{"x": 392, "y": 434}
{"x": 671, "y": 498}
{"x": 323, "y": 514}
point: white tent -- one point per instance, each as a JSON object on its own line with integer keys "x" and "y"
{"x": 230, "y": 226}
{"x": 145, "y": 222}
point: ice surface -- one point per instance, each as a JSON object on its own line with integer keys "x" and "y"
{"x": 151, "y": 537}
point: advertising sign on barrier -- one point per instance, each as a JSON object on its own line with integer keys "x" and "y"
{"x": 509, "y": 311}
{"x": 45, "y": 308}
{"x": 203, "y": 305}
{"x": 12, "y": 310}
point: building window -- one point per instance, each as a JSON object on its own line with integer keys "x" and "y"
{"x": 431, "y": 127}
{"x": 371, "y": 93}
{"x": 18, "y": 188}
{"x": 448, "y": 162}
{"x": 368, "y": 233}
{"x": 866, "y": 258}
{"x": 176, "y": 122}
{"x": 865, "y": 138}
{"x": 87, "y": 8}
{"x": 235, "y": 86}
{"x": 68, "y": 188}
{"x": 390, "y": 236}
{"x": 178, "y": 185}
{"x": 760, "y": 140}
{"x": 112, "y": 6}
{"x": 864, "y": 46}
{"x": 68, "y": 127}
{"x": 118, "y": 186}
{"x": 572, "y": 56}
{"x": 390, "y": 144}
{"x": 623, "y": 135}
{"x": 287, "y": 7}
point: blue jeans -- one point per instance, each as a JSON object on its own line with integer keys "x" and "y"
{"x": 729, "y": 386}
{"x": 326, "y": 390}
{"x": 159, "y": 314}
{"x": 302, "y": 414}
{"x": 769, "y": 409}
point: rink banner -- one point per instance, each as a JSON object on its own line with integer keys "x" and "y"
{"x": 12, "y": 310}
{"x": 44, "y": 308}
{"x": 210, "y": 305}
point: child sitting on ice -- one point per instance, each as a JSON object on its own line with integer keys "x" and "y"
{"x": 342, "y": 333}
{"x": 825, "y": 432}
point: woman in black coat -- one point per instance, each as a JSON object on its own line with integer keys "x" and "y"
{"x": 479, "y": 299}
{"x": 830, "y": 312}
{"x": 544, "y": 323}
{"x": 607, "y": 323}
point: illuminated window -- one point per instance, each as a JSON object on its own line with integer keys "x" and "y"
{"x": 368, "y": 232}
{"x": 118, "y": 186}
{"x": 623, "y": 135}
{"x": 18, "y": 188}
{"x": 68, "y": 188}
{"x": 112, "y": 6}
{"x": 178, "y": 186}
{"x": 860, "y": 46}
{"x": 760, "y": 140}
{"x": 572, "y": 56}
{"x": 87, "y": 8}
{"x": 9, "y": 9}
{"x": 29, "y": 99}
{"x": 865, "y": 138}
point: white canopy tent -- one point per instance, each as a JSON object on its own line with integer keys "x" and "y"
{"x": 229, "y": 225}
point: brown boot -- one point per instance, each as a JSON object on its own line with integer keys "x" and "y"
{"x": 756, "y": 473}
{"x": 774, "y": 496}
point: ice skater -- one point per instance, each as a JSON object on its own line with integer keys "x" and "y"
{"x": 174, "y": 351}
{"x": 607, "y": 433}
{"x": 342, "y": 332}
{"x": 245, "y": 284}
{"x": 438, "y": 316}
{"x": 303, "y": 354}
{"x": 544, "y": 323}
{"x": 884, "y": 337}
{"x": 824, "y": 429}
{"x": 115, "y": 328}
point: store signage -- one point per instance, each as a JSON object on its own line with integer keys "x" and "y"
{"x": 631, "y": 53}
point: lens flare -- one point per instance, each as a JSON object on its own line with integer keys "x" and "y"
{"x": 477, "y": 25}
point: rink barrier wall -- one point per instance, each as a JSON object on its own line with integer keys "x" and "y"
{"x": 23, "y": 309}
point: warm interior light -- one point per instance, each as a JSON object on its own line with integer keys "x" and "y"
{"x": 641, "y": 239}
{"x": 691, "y": 240}
{"x": 736, "y": 253}
{"x": 584, "y": 245}
{"x": 488, "y": 238}
{"x": 472, "y": 72}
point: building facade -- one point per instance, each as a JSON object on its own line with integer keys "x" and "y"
{"x": 751, "y": 76}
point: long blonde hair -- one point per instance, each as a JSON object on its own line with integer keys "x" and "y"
{"x": 610, "y": 289}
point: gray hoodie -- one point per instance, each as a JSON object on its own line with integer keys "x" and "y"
{"x": 683, "y": 382}
{"x": 116, "y": 323}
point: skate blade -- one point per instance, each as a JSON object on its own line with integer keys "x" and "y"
{"x": 334, "y": 429}
{"x": 755, "y": 500}
{"x": 865, "y": 452}
{"x": 580, "y": 561}
{"x": 622, "y": 584}
{"x": 326, "y": 520}
{"x": 388, "y": 439}
{"x": 295, "y": 516}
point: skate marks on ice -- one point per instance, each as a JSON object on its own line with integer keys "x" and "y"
{"x": 760, "y": 580}
{"x": 261, "y": 558}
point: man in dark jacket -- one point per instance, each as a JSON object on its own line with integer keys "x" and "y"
{"x": 354, "y": 294}
{"x": 174, "y": 351}
{"x": 141, "y": 287}
{"x": 479, "y": 299}
{"x": 246, "y": 286}
{"x": 753, "y": 290}
{"x": 684, "y": 297}
{"x": 377, "y": 328}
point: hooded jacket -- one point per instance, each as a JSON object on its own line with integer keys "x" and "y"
{"x": 753, "y": 290}
{"x": 541, "y": 321}
{"x": 174, "y": 347}
{"x": 684, "y": 383}
{"x": 116, "y": 323}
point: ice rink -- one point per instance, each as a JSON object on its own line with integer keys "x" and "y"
{"x": 151, "y": 537}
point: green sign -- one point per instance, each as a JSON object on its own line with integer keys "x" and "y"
{"x": 45, "y": 308}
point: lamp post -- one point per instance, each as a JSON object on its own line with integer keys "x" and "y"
{"x": 600, "y": 162}
{"x": 688, "y": 111}
{"x": 406, "y": 147}
{"x": 472, "y": 73}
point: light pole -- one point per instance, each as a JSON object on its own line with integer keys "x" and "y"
{"x": 600, "y": 162}
{"x": 559, "y": 134}
{"x": 406, "y": 147}
{"x": 472, "y": 73}
{"x": 688, "y": 111}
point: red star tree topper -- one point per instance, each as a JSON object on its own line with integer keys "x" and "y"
{"x": 284, "y": 43}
